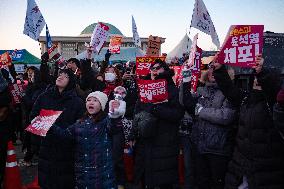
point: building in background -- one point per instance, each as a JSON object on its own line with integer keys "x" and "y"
{"x": 71, "y": 46}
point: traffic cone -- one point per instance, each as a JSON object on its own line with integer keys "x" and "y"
{"x": 34, "y": 184}
{"x": 12, "y": 178}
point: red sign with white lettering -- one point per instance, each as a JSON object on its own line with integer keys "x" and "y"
{"x": 242, "y": 44}
{"x": 153, "y": 91}
{"x": 143, "y": 64}
{"x": 42, "y": 123}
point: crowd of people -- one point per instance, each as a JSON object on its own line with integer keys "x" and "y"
{"x": 229, "y": 138}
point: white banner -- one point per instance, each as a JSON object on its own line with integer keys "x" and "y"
{"x": 99, "y": 36}
{"x": 201, "y": 20}
{"x": 34, "y": 22}
{"x": 136, "y": 37}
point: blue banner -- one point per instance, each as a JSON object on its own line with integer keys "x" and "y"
{"x": 17, "y": 55}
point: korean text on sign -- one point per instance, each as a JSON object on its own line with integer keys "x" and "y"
{"x": 242, "y": 44}
{"x": 154, "y": 46}
{"x": 42, "y": 123}
{"x": 99, "y": 36}
{"x": 143, "y": 64}
{"x": 153, "y": 91}
{"x": 114, "y": 44}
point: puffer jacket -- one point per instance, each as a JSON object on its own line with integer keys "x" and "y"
{"x": 160, "y": 152}
{"x": 56, "y": 158}
{"x": 212, "y": 129}
{"x": 259, "y": 150}
{"x": 93, "y": 152}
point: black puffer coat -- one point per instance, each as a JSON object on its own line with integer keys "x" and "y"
{"x": 259, "y": 150}
{"x": 160, "y": 161}
{"x": 56, "y": 159}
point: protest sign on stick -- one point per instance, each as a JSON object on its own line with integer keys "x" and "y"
{"x": 5, "y": 59}
{"x": 143, "y": 64}
{"x": 154, "y": 46}
{"x": 242, "y": 44}
{"x": 42, "y": 123}
{"x": 99, "y": 36}
{"x": 114, "y": 44}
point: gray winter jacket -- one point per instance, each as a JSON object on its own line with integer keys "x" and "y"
{"x": 213, "y": 128}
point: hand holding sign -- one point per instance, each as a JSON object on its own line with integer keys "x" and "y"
{"x": 242, "y": 44}
{"x": 258, "y": 63}
{"x": 42, "y": 123}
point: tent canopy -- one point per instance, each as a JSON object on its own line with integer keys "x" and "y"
{"x": 22, "y": 57}
{"x": 182, "y": 47}
{"x": 126, "y": 54}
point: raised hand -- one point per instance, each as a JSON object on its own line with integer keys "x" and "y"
{"x": 258, "y": 63}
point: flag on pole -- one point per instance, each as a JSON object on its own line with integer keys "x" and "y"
{"x": 34, "y": 21}
{"x": 202, "y": 21}
{"x": 136, "y": 37}
{"x": 48, "y": 39}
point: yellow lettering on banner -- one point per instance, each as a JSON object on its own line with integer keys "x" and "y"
{"x": 149, "y": 59}
{"x": 240, "y": 31}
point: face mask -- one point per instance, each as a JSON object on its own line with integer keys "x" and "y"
{"x": 110, "y": 77}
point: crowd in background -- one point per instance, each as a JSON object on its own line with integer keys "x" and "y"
{"x": 230, "y": 138}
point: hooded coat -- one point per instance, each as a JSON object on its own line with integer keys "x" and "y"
{"x": 157, "y": 156}
{"x": 259, "y": 150}
{"x": 56, "y": 158}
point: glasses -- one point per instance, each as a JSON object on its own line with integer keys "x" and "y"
{"x": 63, "y": 75}
{"x": 155, "y": 68}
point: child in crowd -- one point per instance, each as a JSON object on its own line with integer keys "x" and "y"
{"x": 93, "y": 147}
{"x": 119, "y": 95}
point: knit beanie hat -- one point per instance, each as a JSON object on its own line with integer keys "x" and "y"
{"x": 102, "y": 97}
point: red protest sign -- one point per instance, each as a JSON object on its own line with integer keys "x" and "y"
{"x": 42, "y": 123}
{"x": 242, "y": 44}
{"x": 153, "y": 91}
{"x": 5, "y": 60}
{"x": 178, "y": 75}
{"x": 194, "y": 80}
{"x": 143, "y": 64}
{"x": 17, "y": 92}
{"x": 114, "y": 44}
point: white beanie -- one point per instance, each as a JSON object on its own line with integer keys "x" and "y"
{"x": 102, "y": 97}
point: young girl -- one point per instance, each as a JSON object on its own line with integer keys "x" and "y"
{"x": 93, "y": 148}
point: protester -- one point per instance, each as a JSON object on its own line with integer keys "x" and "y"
{"x": 93, "y": 148}
{"x": 257, "y": 161}
{"x": 74, "y": 65}
{"x": 119, "y": 95}
{"x": 112, "y": 79}
{"x": 88, "y": 78}
{"x": 56, "y": 158}
{"x": 211, "y": 133}
{"x": 185, "y": 131}
{"x": 35, "y": 87}
{"x": 278, "y": 112}
{"x": 157, "y": 155}
{"x": 5, "y": 124}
